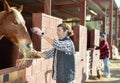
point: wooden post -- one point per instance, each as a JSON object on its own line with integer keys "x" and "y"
{"x": 111, "y": 25}
{"x": 83, "y": 12}
{"x": 104, "y": 24}
{"x": 47, "y": 7}
{"x": 119, "y": 27}
{"x": 116, "y": 27}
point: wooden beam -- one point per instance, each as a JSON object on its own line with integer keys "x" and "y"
{"x": 71, "y": 21}
{"x": 69, "y": 13}
{"x": 96, "y": 8}
{"x": 65, "y": 6}
{"x": 33, "y": 10}
{"x": 100, "y": 0}
{"x": 100, "y": 6}
{"x": 97, "y": 2}
{"x": 59, "y": 15}
{"x": 40, "y": 1}
{"x": 41, "y": 8}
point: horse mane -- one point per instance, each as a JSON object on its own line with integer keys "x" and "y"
{"x": 13, "y": 10}
{"x": 18, "y": 14}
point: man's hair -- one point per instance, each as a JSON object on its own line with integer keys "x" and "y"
{"x": 103, "y": 35}
{"x": 66, "y": 27}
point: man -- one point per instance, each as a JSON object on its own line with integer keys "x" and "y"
{"x": 62, "y": 52}
{"x": 104, "y": 54}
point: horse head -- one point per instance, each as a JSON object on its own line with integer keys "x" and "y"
{"x": 12, "y": 26}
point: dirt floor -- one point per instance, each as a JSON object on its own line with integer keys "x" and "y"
{"x": 115, "y": 74}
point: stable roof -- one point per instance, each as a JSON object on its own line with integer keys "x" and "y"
{"x": 66, "y": 9}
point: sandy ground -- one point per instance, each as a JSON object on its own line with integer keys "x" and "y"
{"x": 115, "y": 74}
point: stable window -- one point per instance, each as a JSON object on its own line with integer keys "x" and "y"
{"x": 7, "y": 57}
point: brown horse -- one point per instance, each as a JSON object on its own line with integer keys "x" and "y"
{"x": 12, "y": 26}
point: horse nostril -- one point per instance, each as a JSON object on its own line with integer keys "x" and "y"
{"x": 29, "y": 45}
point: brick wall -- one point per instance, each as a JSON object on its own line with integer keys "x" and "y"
{"x": 41, "y": 70}
{"x": 80, "y": 41}
{"x": 48, "y": 24}
{"x": 94, "y": 57}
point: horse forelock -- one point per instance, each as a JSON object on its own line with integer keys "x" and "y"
{"x": 18, "y": 16}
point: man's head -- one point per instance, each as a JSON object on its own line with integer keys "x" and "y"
{"x": 102, "y": 36}
{"x": 64, "y": 30}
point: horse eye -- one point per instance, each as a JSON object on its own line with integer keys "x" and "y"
{"x": 15, "y": 22}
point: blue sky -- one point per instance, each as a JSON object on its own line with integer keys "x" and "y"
{"x": 118, "y": 3}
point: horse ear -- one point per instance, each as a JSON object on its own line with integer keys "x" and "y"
{"x": 6, "y": 6}
{"x": 20, "y": 9}
{"x": 1, "y": 36}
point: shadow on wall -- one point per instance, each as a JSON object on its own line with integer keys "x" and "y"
{"x": 83, "y": 76}
{"x": 48, "y": 73}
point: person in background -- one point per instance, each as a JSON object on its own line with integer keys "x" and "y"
{"x": 63, "y": 52}
{"x": 104, "y": 53}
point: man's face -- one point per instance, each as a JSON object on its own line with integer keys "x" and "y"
{"x": 101, "y": 38}
{"x": 61, "y": 34}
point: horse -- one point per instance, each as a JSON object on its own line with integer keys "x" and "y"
{"x": 12, "y": 26}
